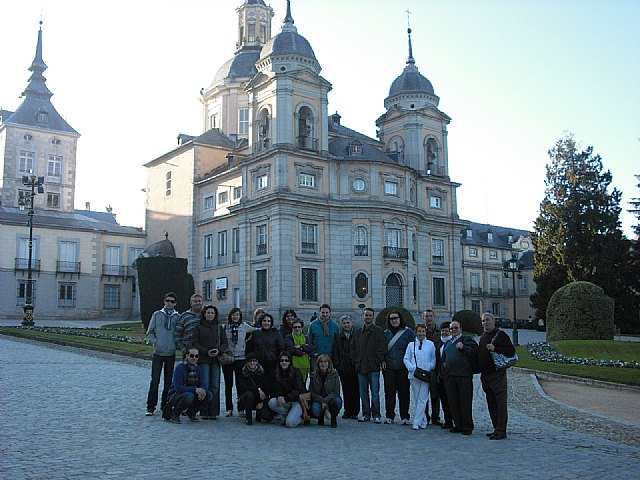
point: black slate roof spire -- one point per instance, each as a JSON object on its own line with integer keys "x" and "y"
{"x": 37, "y": 83}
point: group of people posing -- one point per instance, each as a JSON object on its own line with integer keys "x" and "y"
{"x": 271, "y": 367}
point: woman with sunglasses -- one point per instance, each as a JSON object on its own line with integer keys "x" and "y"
{"x": 420, "y": 353}
{"x": 210, "y": 341}
{"x": 286, "y": 391}
{"x": 236, "y": 332}
{"x": 396, "y": 376}
{"x": 296, "y": 344}
{"x": 325, "y": 391}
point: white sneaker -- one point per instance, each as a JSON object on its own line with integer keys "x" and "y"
{"x": 415, "y": 427}
{"x": 377, "y": 420}
{"x": 388, "y": 421}
{"x": 405, "y": 421}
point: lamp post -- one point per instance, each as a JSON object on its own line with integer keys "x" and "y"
{"x": 512, "y": 266}
{"x": 27, "y": 201}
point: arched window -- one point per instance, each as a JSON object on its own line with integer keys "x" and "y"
{"x": 264, "y": 130}
{"x": 362, "y": 285}
{"x": 360, "y": 242}
{"x": 393, "y": 294}
{"x": 432, "y": 157}
{"x": 305, "y": 129}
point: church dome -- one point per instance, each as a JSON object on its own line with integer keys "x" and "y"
{"x": 242, "y": 65}
{"x": 411, "y": 81}
{"x": 288, "y": 42}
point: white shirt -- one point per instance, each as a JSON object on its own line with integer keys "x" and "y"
{"x": 424, "y": 358}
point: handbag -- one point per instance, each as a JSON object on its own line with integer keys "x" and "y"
{"x": 420, "y": 373}
{"x": 502, "y": 362}
{"x": 223, "y": 357}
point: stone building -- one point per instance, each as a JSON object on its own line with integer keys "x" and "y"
{"x": 487, "y": 287}
{"x": 80, "y": 258}
{"x": 280, "y": 205}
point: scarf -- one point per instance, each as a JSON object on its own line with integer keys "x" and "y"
{"x": 300, "y": 361}
{"x": 325, "y": 326}
{"x": 192, "y": 375}
{"x": 234, "y": 332}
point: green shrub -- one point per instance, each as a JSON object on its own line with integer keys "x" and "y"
{"x": 469, "y": 320}
{"x": 580, "y": 311}
{"x": 381, "y": 319}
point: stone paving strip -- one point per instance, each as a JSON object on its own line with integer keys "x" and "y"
{"x": 69, "y": 413}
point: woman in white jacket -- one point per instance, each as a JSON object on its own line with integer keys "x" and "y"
{"x": 421, "y": 353}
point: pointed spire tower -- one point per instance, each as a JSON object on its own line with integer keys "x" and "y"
{"x": 408, "y": 129}
{"x": 36, "y": 109}
{"x": 43, "y": 143}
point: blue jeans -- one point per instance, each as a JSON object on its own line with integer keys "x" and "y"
{"x": 371, "y": 381}
{"x": 211, "y": 376}
{"x": 188, "y": 401}
{"x": 157, "y": 364}
{"x": 335, "y": 404}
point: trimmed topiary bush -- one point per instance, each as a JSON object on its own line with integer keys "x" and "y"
{"x": 381, "y": 319}
{"x": 580, "y": 311}
{"x": 469, "y": 320}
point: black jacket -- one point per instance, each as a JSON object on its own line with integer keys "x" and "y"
{"x": 503, "y": 345}
{"x": 289, "y": 387}
{"x": 267, "y": 345}
{"x": 341, "y": 354}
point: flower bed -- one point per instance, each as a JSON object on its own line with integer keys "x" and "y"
{"x": 81, "y": 332}
{"x": 544, "y": 352}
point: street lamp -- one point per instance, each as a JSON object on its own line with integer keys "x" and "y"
{"x": 512, "y": 266}
{"x": 27, "y": 201}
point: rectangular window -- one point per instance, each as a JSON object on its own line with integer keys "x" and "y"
{"x": 524, "y": 284}
{"x": 167, "y": 185}
{"x": 134, "y": 253}
{"x": 223, "y": 197}
{"x": 308, "y": 238}
{"x": 263, "y": 182}
{"x": 437, "y": 251}
{"x": 209, "y": 202}
{"x": 112, "y": 296}
{"x": 208, "y": 251}
{"x": 243, "y": 121}
{"x": 111, "y": 261}
{"x": 435, "y": 202}
{"x": 261, "y": 240}
{"x": 222, "y": 247}
{"x": 438, "y": 292}
{"x": 68, "y": 257}
{"x": 213, "y": 120}
{"x": 235, "y": 245}
{"x": 390, "y": 188}
{"x": 53, "y": 200}
{"x": 495, "y": 285}
{"x": 473, "y": 252}
{"x": 495, "y": 309}
{"x": 475, "y": 283}
{"x": 261, "y": 286}
{"x": 66, "y": 294}
{"x": 221, "y": 294}
{"x": 493, "y": 254}
{"x": 307, "y": 180}
{"x": 54, "y": 166}
{"x": 21, "y": 296}
{"x": 207, "y": 289}
{"x": 475, "y": 306}
{"x": 309, "y": 285}
{"x": 25, "y": 162}
{"x": 237, "y": 193}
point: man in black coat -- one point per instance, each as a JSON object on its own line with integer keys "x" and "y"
{"x": 458, "y": 360}
{"x": 343, "y": 362}
{"x": 494, "y": 382}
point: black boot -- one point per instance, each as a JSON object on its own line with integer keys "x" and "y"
{"x": 249, "y": 417}
{"x": 321, "y": 419}
{"x": 334, "y": 421}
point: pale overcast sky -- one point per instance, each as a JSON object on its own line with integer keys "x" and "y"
{"x": 512, "y": 75}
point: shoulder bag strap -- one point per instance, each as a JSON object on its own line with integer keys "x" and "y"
{"x": 395, "y": 338}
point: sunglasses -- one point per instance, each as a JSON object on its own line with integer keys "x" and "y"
{"x": 170, "y": 300}
{"x": 193, "y": 355}
{"x": 284, "y": 360}
{"x": 394, "y": 318}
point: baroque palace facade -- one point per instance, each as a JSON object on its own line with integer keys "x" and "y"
{"x": 279, "y": 205}
{"x": 81, "y": 259}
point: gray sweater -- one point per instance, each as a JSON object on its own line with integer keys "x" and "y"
{"x": 160, "y": 332}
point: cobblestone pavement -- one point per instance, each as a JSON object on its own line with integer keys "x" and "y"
{"x": 67, "y": 413}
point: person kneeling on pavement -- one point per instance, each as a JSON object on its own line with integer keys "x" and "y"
{"x": 325, "y": 391}
{"x": 186, "y": 391}
{"x": 255, "y": 390}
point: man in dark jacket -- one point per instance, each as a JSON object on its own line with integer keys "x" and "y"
{"x": 187, "y": 392}
{"x": 494, "y": 382}
{"x": 343, "y": 363}
{"x": 368, "y": 349}
{"x": 255, "y": 391}
{"x": 458, "y": 360}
